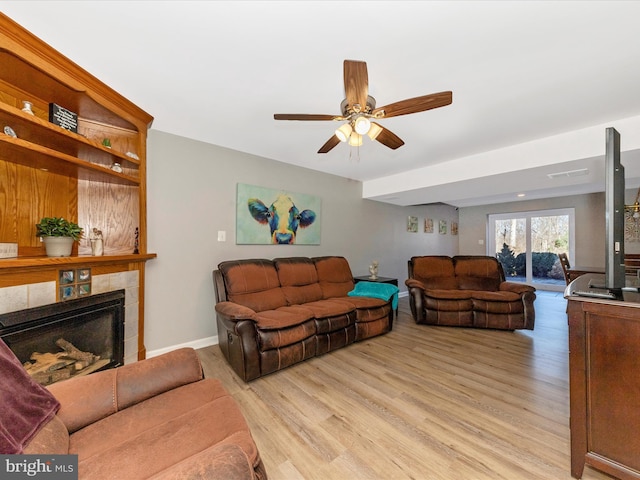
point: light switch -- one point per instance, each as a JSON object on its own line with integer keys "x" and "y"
{"x": 222, "y": 236}
{"x": 480, "y": 242}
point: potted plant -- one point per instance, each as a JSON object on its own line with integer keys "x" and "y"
{"x": 58, "y": 235}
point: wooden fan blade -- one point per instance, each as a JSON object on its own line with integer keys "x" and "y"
{"x": 415, "y": 105}
{"x": 332, "y": 142}
{"x": 388, "y": 138}
{"x": 356, "y": 83}
{"x": 302, "y": 116}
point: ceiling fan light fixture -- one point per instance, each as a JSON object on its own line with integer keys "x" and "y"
{"x": 374, "y": 131}
{"x": 362, "y": 124}
{"x": 355, "y": 140}
{"x": 344, "y": 132}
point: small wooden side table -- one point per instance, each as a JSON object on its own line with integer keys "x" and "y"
{"x": 365, "y": 278}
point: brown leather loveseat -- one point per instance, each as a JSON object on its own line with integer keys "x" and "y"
{"x": 274, "y": 313}
{"x": 468, "y": 291}
{"x": 156, "y": 418}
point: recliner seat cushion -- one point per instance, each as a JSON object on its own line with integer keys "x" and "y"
{"x": 166, "y": 433}
{"x": 497, "y": 302}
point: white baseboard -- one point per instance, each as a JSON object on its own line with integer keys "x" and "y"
{"x": 201, "y": 343}
{"x": 205, "y": 342}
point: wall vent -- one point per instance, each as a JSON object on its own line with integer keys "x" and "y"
{"x": 571, "y": 173}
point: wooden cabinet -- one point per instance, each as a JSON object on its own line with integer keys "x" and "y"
{"x": 50, "y": 171}
{"x": 604, "y": 372}
{"x": 46, "y": 170}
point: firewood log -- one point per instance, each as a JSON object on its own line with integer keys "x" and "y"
{"x": 73, "y": 352}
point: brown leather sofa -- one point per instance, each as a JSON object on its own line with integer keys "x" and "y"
{"x": 157, "y": 418}
{"x": 272, "y": 314}
{"x": 468, "y": 291}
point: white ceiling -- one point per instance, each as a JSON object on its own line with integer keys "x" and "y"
{"x": 534, "y": 84}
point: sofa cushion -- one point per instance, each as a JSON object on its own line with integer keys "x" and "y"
{"x": 497, "y": 302}
{"x": 478, "y": 273}
{"x": 170, "y": 427}
{"x": 220, "y": 462}
{"x": 283, "y": 317}
{"x": 448, "y": 294}
{"x": 435, "y": 272}
{"x": 367, "y": 309}
{"x": 299, "y": 279}
{"x": 328, "y": 308}
{"x": 253, "y": 283}
{"x": 463, "y": 304}
{"x": 26, "y": 405}
{"x": 334, "y": 276}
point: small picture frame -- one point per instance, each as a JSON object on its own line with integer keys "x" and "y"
{"x": 454, "y": 228}
{"x": 428, "y": 225}
{"x": 412, "y": 224}
{"x": 442, "y": 227}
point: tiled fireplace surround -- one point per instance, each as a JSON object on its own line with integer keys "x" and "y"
{"x": 20, "y": 297}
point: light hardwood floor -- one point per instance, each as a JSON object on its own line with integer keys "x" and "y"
{"x": 420, "y": 402}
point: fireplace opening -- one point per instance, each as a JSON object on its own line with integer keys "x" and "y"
{"x": 67, "y": 339}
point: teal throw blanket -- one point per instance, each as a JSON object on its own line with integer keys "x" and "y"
{"x": 384, "y": 291}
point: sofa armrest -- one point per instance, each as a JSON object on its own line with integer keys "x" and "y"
{"x": 416, "y": 299}
{"x": 413, "y": 283}
{"x": 85, "y": 400}
{"x": 235, "y": 312}
{"x": 514, "y": 287}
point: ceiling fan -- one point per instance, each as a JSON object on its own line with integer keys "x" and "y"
{"x": 359, "y": 110}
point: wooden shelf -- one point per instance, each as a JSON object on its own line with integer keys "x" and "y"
{"x": 68, "y": 89}
{"x": 20, "y": 151}
{"x": 43, "y": 261}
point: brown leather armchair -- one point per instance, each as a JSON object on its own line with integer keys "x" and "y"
{"x": 157, "y": 418}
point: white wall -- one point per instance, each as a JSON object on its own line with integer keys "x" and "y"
{"x": 192, "y": 195}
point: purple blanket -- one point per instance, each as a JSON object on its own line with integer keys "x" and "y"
{"x": 25, "y": 405}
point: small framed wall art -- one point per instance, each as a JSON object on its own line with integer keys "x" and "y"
{"x": 428, "y": 225}
{"x": 412, "y": 224}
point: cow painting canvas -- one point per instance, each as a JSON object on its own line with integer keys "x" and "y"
{"x": 266, "y": 216}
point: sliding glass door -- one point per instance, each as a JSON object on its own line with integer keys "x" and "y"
{"x": 527, "y": 245}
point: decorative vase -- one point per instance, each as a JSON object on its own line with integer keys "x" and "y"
{"x": 26, "y": 107}
{"x": 58, "y": 246}
{"x": 97, "y": 247}
{"x": 373, "y": 270}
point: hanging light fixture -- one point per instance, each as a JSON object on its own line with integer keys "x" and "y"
{"x": 374, "y": 131}
{"x": 355, "y": 140}
{"x": 635, "y": 208}
{"x": 362, "y": 124}
{"x": 344, "y": 132}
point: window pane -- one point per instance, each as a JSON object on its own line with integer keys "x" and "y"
{"x": 511, "y": 246}
{"x": 549, "y": 236}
